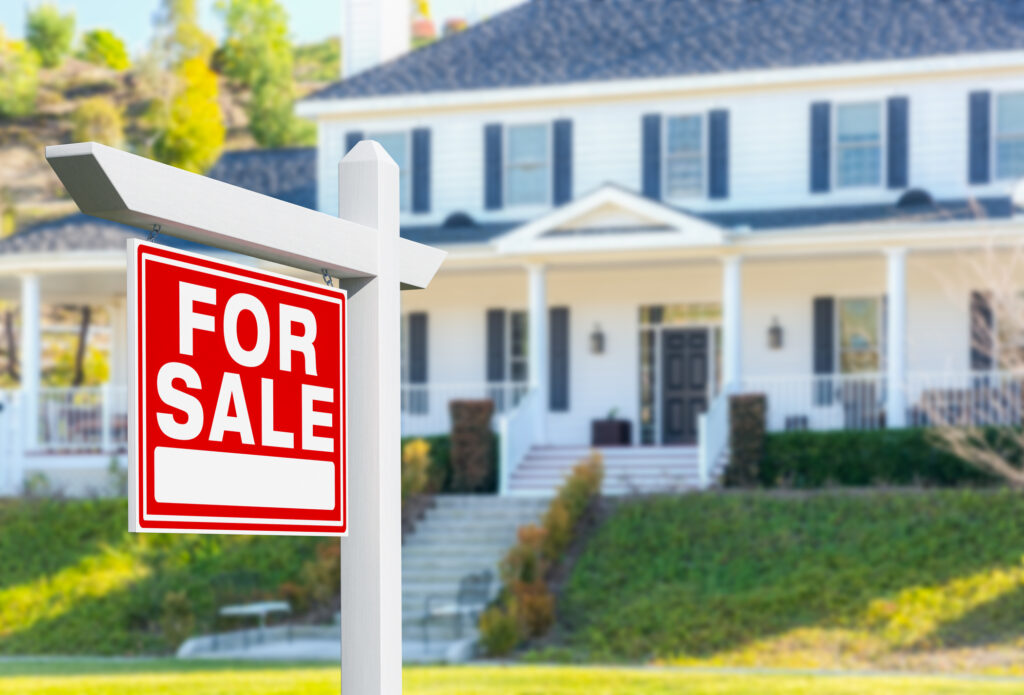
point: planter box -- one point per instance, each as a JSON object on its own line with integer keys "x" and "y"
{"x": 611, "y": 432}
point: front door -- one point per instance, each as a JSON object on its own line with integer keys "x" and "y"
{"x": 684, "y": 383}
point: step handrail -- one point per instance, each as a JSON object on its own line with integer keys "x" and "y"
{"x": 517, "y": 431}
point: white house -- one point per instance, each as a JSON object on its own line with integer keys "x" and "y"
{"x": 651, "y": 204}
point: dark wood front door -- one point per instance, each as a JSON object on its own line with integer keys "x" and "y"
{"x": 684, "y": 383}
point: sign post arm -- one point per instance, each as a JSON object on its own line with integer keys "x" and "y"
{"x": 371, "y": 556}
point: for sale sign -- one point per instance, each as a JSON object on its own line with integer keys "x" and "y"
{"x": 238, "y": 388}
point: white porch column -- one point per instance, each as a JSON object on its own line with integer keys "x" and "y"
{"x": 732, "y": 324}
{"x": 896, "y": 337}
{"x": 538, "y": 348}
{"x": 31, "y": 352}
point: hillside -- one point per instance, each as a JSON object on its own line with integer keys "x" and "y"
{"x": 922, "y": 581}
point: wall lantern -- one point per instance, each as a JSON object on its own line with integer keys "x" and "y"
{"x": 597, "y": 340}
{"x": 775, "y": 335}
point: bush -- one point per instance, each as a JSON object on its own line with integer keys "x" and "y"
{"x": 874, "y": 457}
{"x": 499, "y": 629}
{"x": 194, "y": 133}
{"x": 50, "y": 33}
{"x": 746, "y": 438}
{"x": 472, "y": 445}
{"x": 19, "y": 78}
{"x": 97, "y": 120}
{"x": 415, "y": 468}
{"x": 103, "y": 47}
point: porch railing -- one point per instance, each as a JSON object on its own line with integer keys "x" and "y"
{"x": 425, "y": 407}
{"x": 86, "y": 419}
{"x": 977, "y": 398}
{"x": 517, "y": 431}
{"x": 712, "y": 438}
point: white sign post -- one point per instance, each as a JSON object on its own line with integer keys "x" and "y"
{"x": 363, "y": 249}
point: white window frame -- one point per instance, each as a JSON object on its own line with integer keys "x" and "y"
{"x": 837, "y": 332}
{"x": 994, "y": 136}
{"x": 883, "y": 145}
{"x": 507, "y": 164}
{"x": 701, "y": 192}
{"x": 404, "y": 173}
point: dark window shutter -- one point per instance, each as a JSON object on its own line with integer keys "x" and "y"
{"x": 982, "y": 345}
{"x": 558, "y": 374}
{"x": 651, "y": 136}
{"x": 978, "y": 168}
{"x": 421, "y": 170}
{"x": 824, "y": 348}
{"x": 718, "y": 154}
{"x": 418, "y": 347}
{"x": 492, "y": 166}
{"x": 495, "y": 345}
{"x": 562, "y": 170}
{"x": 821, "y": 116}
{"x": 351, "y": 138}
{"x": 899, "y": 142}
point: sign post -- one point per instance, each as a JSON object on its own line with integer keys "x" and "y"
{"x": 364, "y": 251}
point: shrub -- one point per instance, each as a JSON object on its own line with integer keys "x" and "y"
{"x": 558, "y": 530}
{"x": 499, "y": 629}
{"x": 194, "y": 133}
{"x": 746, "y": 438}
{"x": 103, "y": 47}
{"x": 97, "y": 120}
{"x": 50, "y": 33}
{"x": 19, "y": 78}
{"x": 415, "y": 468}
{"x": 177, "y": 621}
{"x": 472, "y": 456}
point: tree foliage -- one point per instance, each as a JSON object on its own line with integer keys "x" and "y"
{"x": 97, "y": 120}
{"x": 258, "y": 54}
{"x": 103, "y": 47}
{"x": 318, "y": 62}
{"x": 19, "y": 78}
{"x": 50, "y": 33}
{"x": 194, "y": 132}
{"x": 182, "y": 36}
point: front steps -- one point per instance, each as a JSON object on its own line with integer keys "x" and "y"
{"x": 462, "y": 534}
{"x": 627, "y": 470}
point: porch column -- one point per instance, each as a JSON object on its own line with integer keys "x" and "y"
{"x": 896, "y": 338}
{"x": 31, "y": 351}
{"x": 732, "y": 324}
{"x": 538, "y": 346}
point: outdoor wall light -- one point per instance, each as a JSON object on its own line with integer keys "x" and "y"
{"x": 597, "y": 340}
{"x": 775, "y": 335}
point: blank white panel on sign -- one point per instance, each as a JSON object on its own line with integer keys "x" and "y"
{"x": 241, "y": 480}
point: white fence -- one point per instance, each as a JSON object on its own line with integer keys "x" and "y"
{"x": 78, "y": 420}
{"x": 426, "y": 407}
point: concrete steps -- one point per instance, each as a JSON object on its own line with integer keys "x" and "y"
{"x": 460, "y": 535}
{"x": 628, "y": 470}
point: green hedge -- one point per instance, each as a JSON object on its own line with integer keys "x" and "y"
{"x": 876, "y": 457}
{"x": 441, "y": 464}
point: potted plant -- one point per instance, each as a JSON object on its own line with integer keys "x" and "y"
{"x": 611, "y": 431}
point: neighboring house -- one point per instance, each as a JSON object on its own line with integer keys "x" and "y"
{"x": 651, "y": 204}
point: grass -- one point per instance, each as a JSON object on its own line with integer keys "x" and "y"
{"x": 166, "y": 677}
{"x": 892, "y": 580}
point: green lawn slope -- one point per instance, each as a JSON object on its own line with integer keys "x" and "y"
{"x": 926, "y": 580}
{"x": 73, "y": 581}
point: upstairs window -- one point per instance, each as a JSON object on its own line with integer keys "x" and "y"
{"x": 528, "y": 165}
{"x": 684, "y": 156}
{"x": 858, "y": 145}
{"x": 397, "y": 145}
{"x": 1009, "y": 136}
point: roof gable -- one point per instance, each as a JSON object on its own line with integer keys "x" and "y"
{"x": 545, "y": 42}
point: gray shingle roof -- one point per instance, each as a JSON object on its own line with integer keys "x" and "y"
{"x": 287, "y": 174}
{"x": 546, "y": 42}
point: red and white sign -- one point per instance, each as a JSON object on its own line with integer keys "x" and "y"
{"x": 239, "y": 394}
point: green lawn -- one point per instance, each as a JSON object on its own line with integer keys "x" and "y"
{"x": 153, "y": 678}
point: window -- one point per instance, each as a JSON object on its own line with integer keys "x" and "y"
{"x": 1009, "y": 139}
{"x": 528, "y": 165}
{"x": 860, "y": 331}
{"x": 518, "y": 362}
{"x": 858, "y": 144}
{"x": 397, "y": 145}
{"x": 684, "y": 156}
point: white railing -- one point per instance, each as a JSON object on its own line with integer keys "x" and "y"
{"x": 517, "y": 431}
{"x": 712, "y": 437}
{"x": 965, "y": 399}
{"x": 11, "y": 449}
{"x": 86, "y": 419}
{"x": 821, "y": 402}
{"x": 426, "y": 407}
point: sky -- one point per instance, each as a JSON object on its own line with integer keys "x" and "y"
{"x": 132, "y": 20}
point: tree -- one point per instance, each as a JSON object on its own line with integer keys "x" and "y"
{"x": 19, "y": 78}
{"x": 103, "y": 47}
{"x": 180, "y": 34}
{"x": 50, "y": 33}
{"x": 194, "y": 133}
{"x": 257, "y": 54}
{"x": 97, "y": 120}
